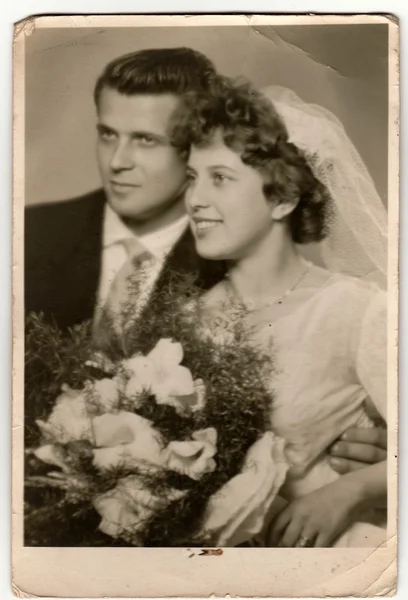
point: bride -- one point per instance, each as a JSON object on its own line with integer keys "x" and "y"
{"x": 269, "y": 174}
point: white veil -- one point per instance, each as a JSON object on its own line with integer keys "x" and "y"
{"x": 357, "y": 240}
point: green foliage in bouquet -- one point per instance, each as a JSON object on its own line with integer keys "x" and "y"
{"x": 52, "y": 357}
{"x": 237, "y": 405}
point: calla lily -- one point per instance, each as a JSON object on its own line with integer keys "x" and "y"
{"x": 69, "y": 419}
{"x": 160, "y": 372}
{"x": 125, "y": 439}
{"x": 104, "y": 393}
{"x": 52, "y": 454}
{"x": 126, "y": 508}
{"x": 142, "y": 374}
{"x": 193, "y": 458}
{"x": 191, "y": 402}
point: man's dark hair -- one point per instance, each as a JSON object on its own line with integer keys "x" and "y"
{"x": 157, "y": 71}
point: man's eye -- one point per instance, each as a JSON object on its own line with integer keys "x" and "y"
{"x": 106, "y": 135}
{"x": 191, "y": 178}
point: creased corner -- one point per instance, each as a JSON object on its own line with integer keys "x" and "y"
{"x": 18, "y": 593}
{"x": 385, "y": 584}
{"x": 393, "y": 18}
{"x": 25, "y": 27}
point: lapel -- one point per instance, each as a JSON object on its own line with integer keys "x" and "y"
{"x": 86, "y": 260}
{"x": 77, "y": 264}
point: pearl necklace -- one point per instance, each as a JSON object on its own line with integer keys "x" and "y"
{"x": 233, "y": 295}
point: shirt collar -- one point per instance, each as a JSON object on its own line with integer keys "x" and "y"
{"x": 115, "y": 231}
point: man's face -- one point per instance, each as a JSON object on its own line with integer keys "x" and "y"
{"x": 142, "y": 173}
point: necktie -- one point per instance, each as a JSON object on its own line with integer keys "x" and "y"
{"x": 127, "y": 294}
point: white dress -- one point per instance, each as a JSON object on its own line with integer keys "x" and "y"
{"x": 329, "y": 356}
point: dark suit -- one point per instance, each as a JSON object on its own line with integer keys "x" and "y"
{"x": 63, "y": 250}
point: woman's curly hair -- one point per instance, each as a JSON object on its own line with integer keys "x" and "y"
{"x": 251, "y": 127}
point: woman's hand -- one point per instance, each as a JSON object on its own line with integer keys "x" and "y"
{"x": 318, "y": 518}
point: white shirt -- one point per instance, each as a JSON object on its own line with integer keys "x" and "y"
{"x": 114, "y": 255}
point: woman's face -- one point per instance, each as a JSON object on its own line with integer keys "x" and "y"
{"x": 228, "y": 211}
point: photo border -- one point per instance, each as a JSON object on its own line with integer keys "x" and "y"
{"x": 111, "y": 572}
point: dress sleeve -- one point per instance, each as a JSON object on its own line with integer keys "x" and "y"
{"x": 371, "y": 359}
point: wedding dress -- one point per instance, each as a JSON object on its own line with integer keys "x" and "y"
{"x": 328, "y": 351}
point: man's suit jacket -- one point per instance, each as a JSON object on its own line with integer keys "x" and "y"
{"x": 63, "y": 255}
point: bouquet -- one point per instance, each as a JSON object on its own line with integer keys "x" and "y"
{"x": 164, "y": 439}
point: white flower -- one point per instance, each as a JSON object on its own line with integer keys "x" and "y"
{"x": 140, "y": 379}
{"x": 193, "y": 458}
{"x": 191, "y": 402}
{"x": 100, "y": 361}
{"x": 125, "y": 439}
{"x": 105, "y": 392}
{"x": 52, "y": 454}
{"x": 126, "y": 508}
{"x": 69, "y": 419}
{"x": 241, "y": 508}
{"x": 160, "y": 372}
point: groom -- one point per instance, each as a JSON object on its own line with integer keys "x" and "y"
{"x": 74, "y": 249}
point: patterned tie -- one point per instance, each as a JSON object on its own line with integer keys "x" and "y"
{"x": 127, "y": 294}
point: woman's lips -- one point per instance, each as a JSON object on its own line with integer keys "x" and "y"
{"x": 202, "y": 226}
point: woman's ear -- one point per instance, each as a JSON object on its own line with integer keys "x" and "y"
{"x": 281, "y": 210}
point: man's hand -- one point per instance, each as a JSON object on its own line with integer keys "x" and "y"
{"x": 357, "y": 448}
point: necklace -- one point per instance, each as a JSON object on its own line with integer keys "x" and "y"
{"x": 232, "y": 293}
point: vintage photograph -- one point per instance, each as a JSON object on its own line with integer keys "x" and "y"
{"x": 205, "y": 296}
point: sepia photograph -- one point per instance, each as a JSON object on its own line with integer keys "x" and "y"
{"x": 206, "y": 240}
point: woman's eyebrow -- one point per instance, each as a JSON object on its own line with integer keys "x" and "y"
{"x": 221, "y": 166}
